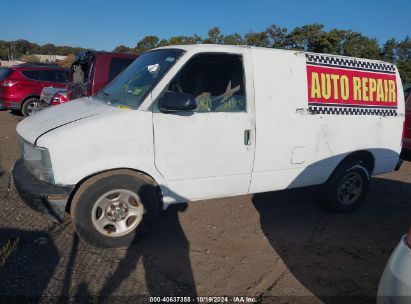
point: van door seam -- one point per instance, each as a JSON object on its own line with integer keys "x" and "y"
{"x": 253, "y": 117}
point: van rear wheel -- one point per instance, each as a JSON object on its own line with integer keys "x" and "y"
{"x": 114, "y": 209}
{"x": 347, "y": 188}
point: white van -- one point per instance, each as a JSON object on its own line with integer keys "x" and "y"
{"x": 187, "y": 123}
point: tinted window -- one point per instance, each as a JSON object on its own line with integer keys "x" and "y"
{"x": 33, "y": 75}
{"x": 48, "y": 75}
{"x": 215, "y": 80}
{"x": 5, "y": 73}
{"x": 117, "y": 66}
{"x": 61, "y": 76}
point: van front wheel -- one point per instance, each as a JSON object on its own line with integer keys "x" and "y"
{"x": 113, "y": 209}
{"x": 347, "y": 188}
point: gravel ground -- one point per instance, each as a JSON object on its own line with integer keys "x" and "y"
{"x": 279, "y": 247}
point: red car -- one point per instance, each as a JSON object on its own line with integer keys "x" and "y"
{"x": 407, "y": 126}
{"x": 21, "y": 85}
{"x": 92, "y": 71}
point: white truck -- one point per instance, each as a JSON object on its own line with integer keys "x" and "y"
{"x": 186, "y": 123}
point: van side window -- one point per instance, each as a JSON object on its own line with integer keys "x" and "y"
{"x": 215, "y": 80}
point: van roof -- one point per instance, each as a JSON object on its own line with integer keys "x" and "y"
{"x": 222, "y": 47}
{"x": 188, "y": 47}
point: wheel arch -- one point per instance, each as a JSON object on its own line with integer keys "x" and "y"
{"x": 96, "y": 175}
{"x": 362, "y": 155}
{"x": 27, "y": 98}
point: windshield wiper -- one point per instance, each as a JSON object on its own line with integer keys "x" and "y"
{"x": 105, "y": 95}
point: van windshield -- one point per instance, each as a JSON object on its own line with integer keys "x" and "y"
{"x": 131, "y": 87}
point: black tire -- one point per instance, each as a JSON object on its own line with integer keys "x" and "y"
{"x": 336, "y": 195}
{"x": 88, "y": 194}
{"x": 26, "y": 107}
{"x": 16, "y": 112}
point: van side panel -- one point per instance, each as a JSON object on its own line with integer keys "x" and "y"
{"x": 283, "y": 136}
{"x": 296, "y": 147}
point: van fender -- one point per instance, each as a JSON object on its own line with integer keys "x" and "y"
{"x": 363, "y": 156}
{"x": 166, "y": 196}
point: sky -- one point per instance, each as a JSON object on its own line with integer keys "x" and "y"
{"x": 104, "y": 24}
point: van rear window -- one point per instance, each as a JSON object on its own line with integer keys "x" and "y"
{"x": 5, "y": 73}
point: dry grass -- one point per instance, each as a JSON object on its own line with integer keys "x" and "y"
{"x": 7, "y": 250}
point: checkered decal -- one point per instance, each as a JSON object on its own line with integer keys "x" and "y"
{"x": 335, "y": 110}
{"x": 349, "y": 63}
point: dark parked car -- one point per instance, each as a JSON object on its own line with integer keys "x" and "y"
{"x": 21, "y": 85}
{"x": 92, "y": 71}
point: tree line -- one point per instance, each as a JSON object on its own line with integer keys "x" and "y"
{"x": 19, "y": 48}
{"x": 310, "y": 38}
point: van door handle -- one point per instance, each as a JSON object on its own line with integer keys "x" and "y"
{"x": 247, "y": 140}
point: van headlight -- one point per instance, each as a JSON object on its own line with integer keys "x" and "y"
{"x": 37, "y": 161}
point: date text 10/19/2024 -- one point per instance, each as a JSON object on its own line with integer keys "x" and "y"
{"x": 223, "y": 299}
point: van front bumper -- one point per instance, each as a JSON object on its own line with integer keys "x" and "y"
{"x": 43, "y": 197}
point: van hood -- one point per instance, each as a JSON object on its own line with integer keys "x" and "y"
{"x": 53, "y": 117}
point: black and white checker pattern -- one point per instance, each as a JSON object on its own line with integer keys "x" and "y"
{"x": 335, "y": 110}
{"x": 349, "y": 63}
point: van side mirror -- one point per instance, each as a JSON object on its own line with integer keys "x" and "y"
{"x": 176, "y": 102}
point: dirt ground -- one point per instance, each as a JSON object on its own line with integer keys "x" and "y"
{"x": 279, "y": 247}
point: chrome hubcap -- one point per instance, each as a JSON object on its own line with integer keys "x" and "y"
{"x": 117, "y": 212}
{"x": 350, "y": 188}
{"x": 32, "y": 107}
